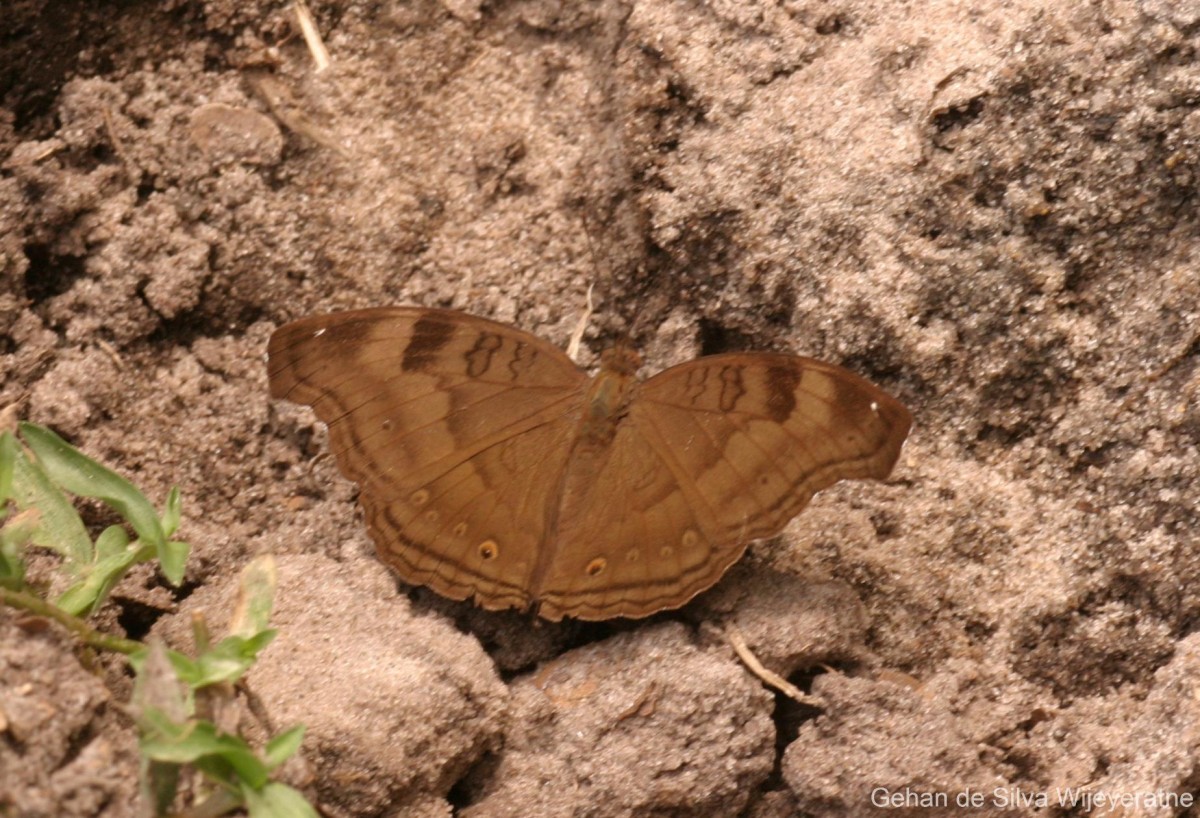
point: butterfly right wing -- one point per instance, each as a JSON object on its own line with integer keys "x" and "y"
{"x": 455, "y": 428}
{"x": 756, "y": 435}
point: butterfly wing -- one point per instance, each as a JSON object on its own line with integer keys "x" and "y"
{"x": 455, "y": 428}
{"x": 636, "y": 542}
{"x": 713, "y": 454}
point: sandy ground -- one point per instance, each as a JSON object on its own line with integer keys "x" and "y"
{"x": 989, "y": 208}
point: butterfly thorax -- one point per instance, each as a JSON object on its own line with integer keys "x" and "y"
{"x": 620, "y": 359}
{"x": 608, "y": 398}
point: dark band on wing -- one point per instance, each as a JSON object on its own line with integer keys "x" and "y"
{"x": 732, "y": 388}
{"x": 429, "y": 336}
{"x": 479, "y": 359}
{"x": 781, "y": 382}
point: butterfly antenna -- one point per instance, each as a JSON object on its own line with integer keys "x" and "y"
{"x": 635, "y": 326}
{"x": 588, "y": 228}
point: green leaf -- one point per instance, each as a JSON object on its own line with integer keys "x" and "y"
{"x": 277, "y": 800}
{"x": 60, "y": 529}
{"x": 226, "y": 661}
{"x": 172, "y": 512}
{"x": 87, "y": 594}
{"x": 201, "y": 744}
{"x": 111, "y": 542}
{"x": 73, "y": 471}
{"x": 160, "y": 726}
{"x": 283, "y": 746}
{"x": 157, "y": 783}
{"x": 236, "y": 754}
{"x": 8, "y": 456}
{"x": 256, "y": 595}
{"x": 13, "y": 536}
{"x": 137, "y": 659}
{"x": 183, "y": 666}
{"x": 12, "y": 567}
{"x": 158, "y": 702}
{"x": 172, "y": 559}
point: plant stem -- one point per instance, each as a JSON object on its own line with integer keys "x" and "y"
{"x": 84, "y": 632}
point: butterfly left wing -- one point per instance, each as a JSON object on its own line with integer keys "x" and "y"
{"x": 455, "y": 428}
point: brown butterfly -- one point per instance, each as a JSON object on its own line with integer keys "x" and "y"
{"x": 491, "y": 466}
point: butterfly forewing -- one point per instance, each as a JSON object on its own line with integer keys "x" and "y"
{"x": 759, "y": 434}
{"x": 455, "y": 428}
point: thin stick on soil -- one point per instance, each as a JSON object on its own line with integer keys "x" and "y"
{"x": 312, "y": 37}
{"x": 769, "y": 677}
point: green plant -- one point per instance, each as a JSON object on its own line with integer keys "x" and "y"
{"x": 175, "y": 699}
{"x": 36, "y": 484}
{"x": 176, "y": 696}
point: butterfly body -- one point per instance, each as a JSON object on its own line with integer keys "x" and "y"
{"x": 491, "y": 466}
{"x": 608, "y": 397}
